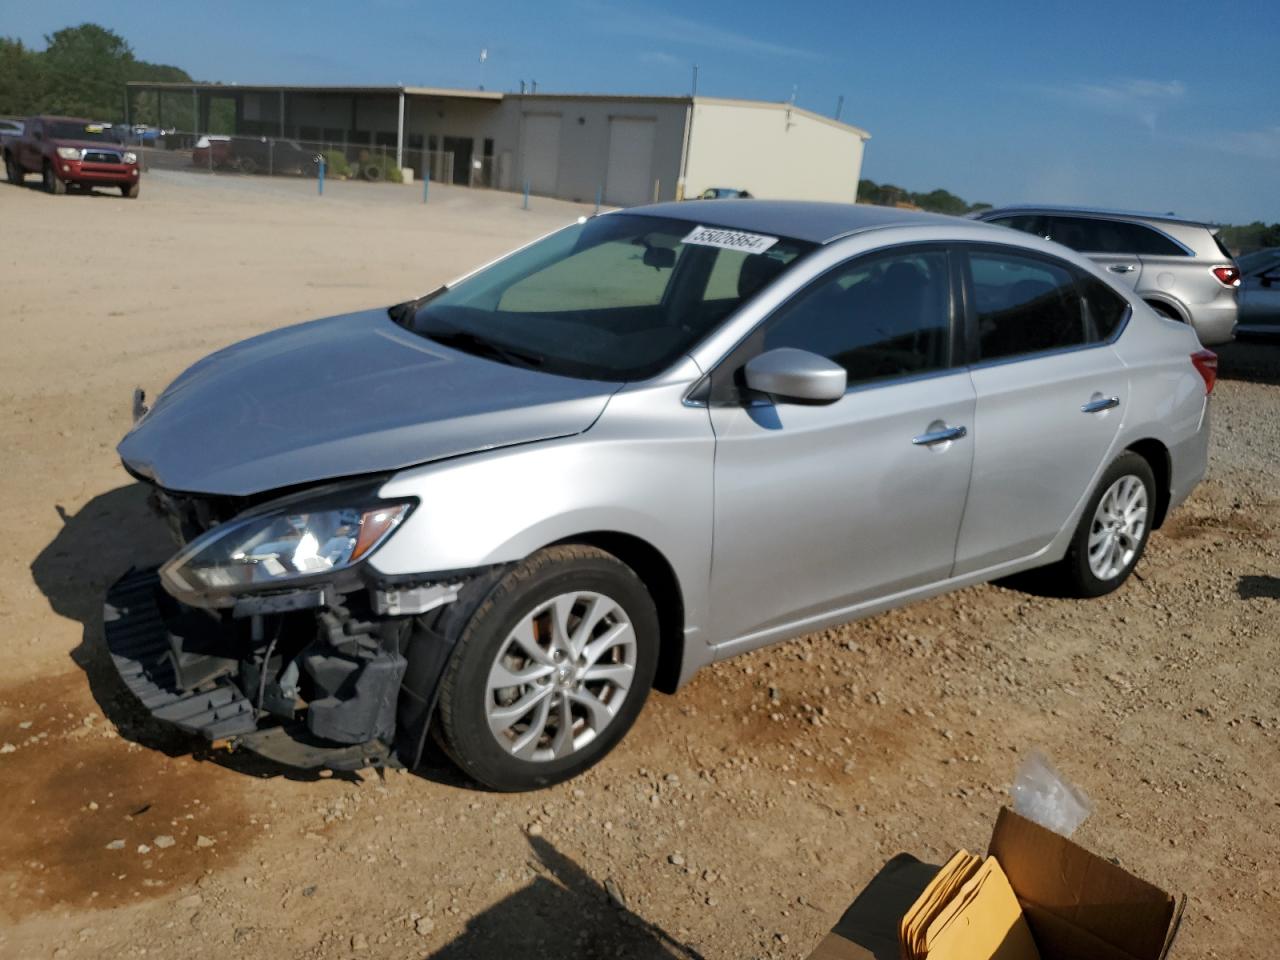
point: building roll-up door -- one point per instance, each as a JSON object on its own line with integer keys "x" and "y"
{"x": 629, "y": 178}
{"x": 542, "y": 152}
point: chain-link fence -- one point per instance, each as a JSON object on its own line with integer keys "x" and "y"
{"x": 283, "y": 156}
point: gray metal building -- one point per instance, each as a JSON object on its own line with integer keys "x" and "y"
{"x": 625, "y": 149}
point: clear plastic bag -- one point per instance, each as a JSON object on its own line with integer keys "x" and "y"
{"x": 1042, "y": 794}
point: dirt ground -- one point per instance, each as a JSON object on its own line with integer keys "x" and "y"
{"x": 740, "y": 816}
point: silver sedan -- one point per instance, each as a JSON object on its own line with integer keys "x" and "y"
{"x": 652, "y": 440}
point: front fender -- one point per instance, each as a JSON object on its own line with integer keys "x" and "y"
{"x": 636, "y": 472}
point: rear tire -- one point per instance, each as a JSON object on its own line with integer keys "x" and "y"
{"x": 52, "y": 182}
{"x": 1113, "y": 530}
{"x": 583, "y": 683}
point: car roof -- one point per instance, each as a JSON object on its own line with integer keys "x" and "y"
{"x": 1092, "y": 211}
{"x": 807, "y": 220}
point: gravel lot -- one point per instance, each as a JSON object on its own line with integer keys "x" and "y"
{"x": 738, "y": 819}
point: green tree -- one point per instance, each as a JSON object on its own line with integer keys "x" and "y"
{"x": 940, "y": 201}
{"x": 21, "y": 79}
{"x": 84, "y": 71}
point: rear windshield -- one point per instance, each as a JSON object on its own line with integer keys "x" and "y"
{"x": 617, "y": 297}
{"x": 67, "y": 130}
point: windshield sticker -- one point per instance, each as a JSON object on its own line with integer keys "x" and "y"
{"x": 730, "y": 239}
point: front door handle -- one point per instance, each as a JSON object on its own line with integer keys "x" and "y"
{"x": 939, "y": 436}
{"x": 1100, "y": 404}
{"x": 1121, "y": 268}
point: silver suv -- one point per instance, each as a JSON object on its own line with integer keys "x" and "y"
{"x": 1180, "y": 267}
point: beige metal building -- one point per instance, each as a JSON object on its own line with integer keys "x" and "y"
{"x": 626, "y": 150}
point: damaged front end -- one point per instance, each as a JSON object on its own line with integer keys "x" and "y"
{"x": 268, "y": 631}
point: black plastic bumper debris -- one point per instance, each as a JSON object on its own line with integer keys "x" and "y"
{"x": 141, "y": 647}
{"x": 162, "y": 652}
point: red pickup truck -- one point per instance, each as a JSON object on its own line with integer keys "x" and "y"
{"x": 69, "y": 151}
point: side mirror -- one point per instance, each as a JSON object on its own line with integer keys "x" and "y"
{"x": 660, "y": 258}
{"x": 796, "y": 375}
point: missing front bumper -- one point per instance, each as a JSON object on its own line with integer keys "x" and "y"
{"x": 187, "y": 671}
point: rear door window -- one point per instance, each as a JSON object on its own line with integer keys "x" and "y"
{"x": 1023, "y": 305}
{"x": 1088, "y": 235}
{"x": 1152, "y": 243}
{"x": 1105, "y": 308}
{"x": 1025, "y": 222}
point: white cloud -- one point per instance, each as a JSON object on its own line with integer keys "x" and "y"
{"x": 1143, "y": 100}
{"x": 1263, "y": 143}
{"x": 659, "y": 57}
{"x": 668, "y": 28}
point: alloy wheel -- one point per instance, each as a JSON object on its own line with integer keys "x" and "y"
{"x": 561, "y": 676}
{"x": 1119, "y": 524}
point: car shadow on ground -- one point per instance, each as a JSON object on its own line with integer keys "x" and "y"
{"x": 1254, "y": 587}
{"x": 1253, "y": 361}
{"x": 95, "y": 547}
{"x": 34, "y": 183}
{"x": 564, "y": 912}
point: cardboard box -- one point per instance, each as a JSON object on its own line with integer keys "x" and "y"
{"x": 1078, "y": 905}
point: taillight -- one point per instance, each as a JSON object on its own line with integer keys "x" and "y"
{"x": 1227, "y": 276}
{"x": 1206, "y": 364}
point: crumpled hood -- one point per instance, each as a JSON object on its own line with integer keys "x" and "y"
{"x": 348, "y": 395}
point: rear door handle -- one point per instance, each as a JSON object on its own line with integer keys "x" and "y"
{"x": 1100, "y": 404}
{"x": 1121, "y": 268}
{"x": 939, "y": 436}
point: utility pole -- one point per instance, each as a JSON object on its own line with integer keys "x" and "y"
{"x": 839, "y": 105}
{"x": 695, "y": 80}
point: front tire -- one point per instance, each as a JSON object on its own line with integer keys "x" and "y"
{"x": 52, "y": 183}
{"x": 1113, "y": 529}
{"x": 551, "y": 670}
{"x": 13, "y": 173}
{"x": 129, "y": 191}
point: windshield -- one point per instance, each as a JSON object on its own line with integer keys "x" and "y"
{"x": 617, "y": 297}
{"x": 69, "y": 130}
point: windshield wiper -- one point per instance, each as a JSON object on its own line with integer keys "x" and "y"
{"x": 481, "y": 346}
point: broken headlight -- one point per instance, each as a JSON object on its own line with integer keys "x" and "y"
{"x": 276, "y": 548}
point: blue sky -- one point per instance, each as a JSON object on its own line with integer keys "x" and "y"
{"x": 1150, "y": 104}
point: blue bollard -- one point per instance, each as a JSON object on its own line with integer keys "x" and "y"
{"x": 599, "y": 195}
{"x": 320, "y": 178}
{"x": 526, "y": 195}
{"x": 426, "y": 182}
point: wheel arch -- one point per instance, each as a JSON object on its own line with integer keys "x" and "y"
{"x": 1157, "y": 456}
{"x": 1161, "y": 303}
{"x": 659, "y": 578}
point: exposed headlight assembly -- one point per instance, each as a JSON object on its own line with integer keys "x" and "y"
{"x": 69, "y": 153}
{"x": 278, "y": 548}
{"x": 130, "y": 157}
